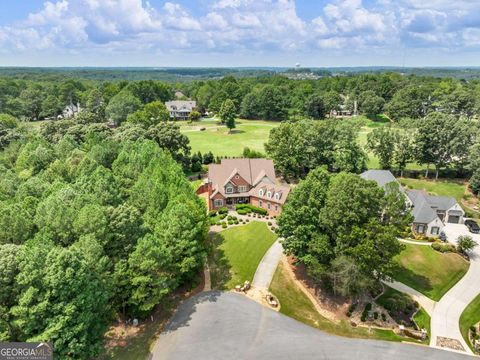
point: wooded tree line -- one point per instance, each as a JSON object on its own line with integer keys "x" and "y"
{"x": 398, "y": 96}
{"x": 440, "y": 139}
{"x": 94, "y": 222}
{"x": 267, "y": 97}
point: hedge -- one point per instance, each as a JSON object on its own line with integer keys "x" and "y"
{"x": 443, "y": 248}
{"x": 244, "y": 209}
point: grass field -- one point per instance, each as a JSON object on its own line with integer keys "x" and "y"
{"x": 235, "y": 253}
{"x": 429, "y": 271}
{"x": 294, "y": 303}
{"x": 215, "y": 138}
{"x": 470, "y": 316}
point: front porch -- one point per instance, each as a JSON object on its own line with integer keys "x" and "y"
{"x": 232, "y": 201}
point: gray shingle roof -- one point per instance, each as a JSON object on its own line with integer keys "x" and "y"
{"x": 425, "y": 206}
{"x": 381, "y": 177}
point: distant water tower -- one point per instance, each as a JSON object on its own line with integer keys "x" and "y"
{"x": 297, "y": 66}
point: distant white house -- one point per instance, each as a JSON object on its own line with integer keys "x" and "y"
{"x": 70, "y": 111}
{"x": 430, "y": 213}
{"x": 180, "y": 109}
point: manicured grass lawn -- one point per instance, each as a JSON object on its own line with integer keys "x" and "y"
{"x": 296, "y": 304}
{"x": 429, "y": 271}
{"x": 249, "y": 133}
{"x": 236, "y": 252}
{"x": 470, "y": 316}
{"x": 439, "y": 187}
{"x": 422, "y": 319}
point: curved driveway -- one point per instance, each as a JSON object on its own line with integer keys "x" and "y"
{"x": 215, "y": 325}
{"x": 447, "y": 312}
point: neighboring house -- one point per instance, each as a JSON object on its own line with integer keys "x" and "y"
{"x": 381, "y": 177}
{"x": 244, "y": 181}
{"x": 180, "y": 109}
{"x": 430, "y": 213}
{"x": 70, "y": 111}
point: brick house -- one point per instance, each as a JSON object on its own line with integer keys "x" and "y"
{"x": 244, "y": 181}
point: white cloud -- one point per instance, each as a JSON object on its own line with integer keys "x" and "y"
{"x": 244, "y": 26}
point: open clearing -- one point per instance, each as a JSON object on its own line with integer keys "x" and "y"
{"x": 428, "y": 271}
{"x": 236, "y": 252}
{"x": 215, "y": 138}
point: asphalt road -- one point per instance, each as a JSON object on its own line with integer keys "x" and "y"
{"x": 215, "y": 325}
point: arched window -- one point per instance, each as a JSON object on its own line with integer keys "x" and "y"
{"x": 260, "y": 192}
{"x": 277, "y": 196}
{"x": 269, "y": 194}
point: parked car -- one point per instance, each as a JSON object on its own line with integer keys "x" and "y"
{"x": 472, "y": 226}
{"x": 442, "y": 236}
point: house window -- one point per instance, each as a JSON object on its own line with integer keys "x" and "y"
{"x": 420, "y": 229}
{"x": 260, "y": 203}
{"x": 277, "y": 196}
{"x": 435, "y": 230}
{"x": 260, "y": 192}
{"x": 218, "y": 202}
{"x": 237, "y": 177}
{"x": 229, "y": 190}
{"x": 268, "y": 206}
{"x": 269, "y": 194}
{"x": 276, "y": 207}
{"x": 242, "y": 188}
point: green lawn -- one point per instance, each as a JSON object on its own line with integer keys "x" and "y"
{"x": 422, "y": 319}
{"x": 439, "y": 187}
{"x": 429, "y": 271}
{"x": 294, "y": 303}
{"x": 236, "y": 252}
{"x": 249, "y": 133}
{"x": 470, "y": 316}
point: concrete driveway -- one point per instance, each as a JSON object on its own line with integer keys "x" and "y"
{"x": 446, "y": 315}
{"x": 216, "y": 325}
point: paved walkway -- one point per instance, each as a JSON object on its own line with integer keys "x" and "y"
{"x": 266, "y": 269}
{"x": 426, "y": 303}
{"x": 446, "y": 316}
{"x": 422, "y": 243}
{"x": 215, "y": 325}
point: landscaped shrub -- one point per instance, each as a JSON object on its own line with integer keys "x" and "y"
{"x": 212, "y": 213}
{"x": 229, "y": 217}
{"x": 223, "y": 210}
{"x": 247, "y": 208}
{"x": 365, "y": 311}
{"x": 351, "y": 309}
{"x": 222, "y": 216}
{"x": 269, "y": 223}
{"x": 224, "y": 225}
{"x": 443, "y": 248}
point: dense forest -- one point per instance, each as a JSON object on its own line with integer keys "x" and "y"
{"x": 97, "y": 219}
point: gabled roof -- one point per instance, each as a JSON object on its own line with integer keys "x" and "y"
{"x": 251, "y": 170}
{"x": 425, "y": 206}
{"x": 381, "y": 177}
{"x": 281, "y": 190}
{"x": 422, "y": 211}
{"x": 176, "y": 105}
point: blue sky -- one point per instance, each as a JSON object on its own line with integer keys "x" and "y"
{"x": 240, "y": 33}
